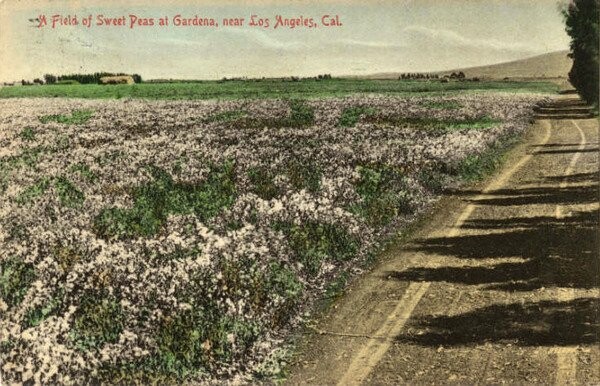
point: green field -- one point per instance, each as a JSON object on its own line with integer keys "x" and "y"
{"x": 267, "y": 89}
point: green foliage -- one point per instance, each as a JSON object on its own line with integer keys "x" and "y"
{"x": 98, "y": 320}
{"x": 351, "y": 115}
{"x": 432, "y": 180}
{"x": 108, "y": 158}
{"x": 142, "y": 220}
{"x": 226, "y": 116}
{"x": 262, "y": 182}
{"x": 180, "y": 253}
{"x": 383, "y": 194}
{"x": 581, "y": 17}
{"x": 68, "y": 193}
{"x": 244, "y": 278}
{"x": 304, "y": 174}
{"x": 197, "y": 339}
{"x": 18, "y": 232}
{"x": 84, "y": 171}
{"x": 148, "y": 371}
{"x": 380, "y": 210}
{"x": 476, "y": 167}
{"x": 313, "y": 243}
{"x": 372, "y": 181}
{"x": 28, "y": 158}
{"x": 336, "y": 287}
{"x": 62, "y": 143}
{"x": 28, "y": 134}
{"x": 471, "y": 124}
{"x": 15, "y": 278}
{"x": 154, "y": 201}
{"x": 205, "y": 200}
{"x": 193, "y": 340}
{"x": 283, "y": 281}
{"x": 77, "y": 117}
{"x": 301, "y": 114}
{"x": 37, "y": 315}
{"x": 33, "y": 191}
{"x": 270, "y": 88}
{"x": 440, "y": 126}
{"x": 7, "y": 345}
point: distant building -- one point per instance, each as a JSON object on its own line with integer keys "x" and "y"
{"x": 121, "y": 79}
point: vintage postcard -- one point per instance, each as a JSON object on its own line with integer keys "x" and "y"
{"x": 333, "y": 192}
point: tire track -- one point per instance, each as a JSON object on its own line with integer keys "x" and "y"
{"x": 497, "y": 184}
{"x": 566, "y": 357}
{"x": 582, "y": 143}
{"x": 372, "y": 353}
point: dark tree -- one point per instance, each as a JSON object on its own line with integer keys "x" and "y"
{"x": 581, "y": 17}
{"x": 50, "y": 79}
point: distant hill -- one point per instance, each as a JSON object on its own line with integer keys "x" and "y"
{"x": 549, "y": 66}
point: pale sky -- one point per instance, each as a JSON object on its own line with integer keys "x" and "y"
{"x": 376, "y": 36}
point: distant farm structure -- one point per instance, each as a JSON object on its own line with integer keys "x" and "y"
{"x": 120, "y": 79}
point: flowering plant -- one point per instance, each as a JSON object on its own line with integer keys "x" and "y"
{"x": 161, "y": 241}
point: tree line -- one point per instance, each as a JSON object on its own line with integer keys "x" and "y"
{"x": 418, "y": 75}
{"x": 86, "y": 78}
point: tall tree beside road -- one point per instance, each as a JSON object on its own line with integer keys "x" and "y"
{"x": 581, "y": 17}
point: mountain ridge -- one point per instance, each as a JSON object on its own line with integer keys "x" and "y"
{"x": 551, "y": 65}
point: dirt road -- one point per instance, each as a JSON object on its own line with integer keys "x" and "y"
{"x": 501, "y": 286}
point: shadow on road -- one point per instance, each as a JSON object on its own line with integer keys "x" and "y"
{"x": 575, "y": 178}
{"x": 573, "y": 264}
{"x": 568, "y": 151}
{"x": 554, "y": 252}
{"x": 544, "y": 195}
{"x": 547, "y": 252}
{"x": 551, "y": 145}
{"x": 572, "y": 108}
{"x": 545, "y": 323}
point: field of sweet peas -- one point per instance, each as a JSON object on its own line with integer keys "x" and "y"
{"x": 169, "y": 241}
